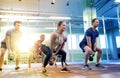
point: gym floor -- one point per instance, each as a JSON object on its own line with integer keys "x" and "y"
{"x": 77, "y": 71}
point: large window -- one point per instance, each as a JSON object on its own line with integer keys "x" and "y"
{"x": 102, "y": 41}
{"x": 118, "y": 41}
{"x": 72, "y": 42}
{"x": 81, "y": 37}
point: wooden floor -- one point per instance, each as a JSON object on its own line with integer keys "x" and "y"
{"x": 77, "y": 71}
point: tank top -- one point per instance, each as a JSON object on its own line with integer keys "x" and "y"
{"x": 59, "y": 40}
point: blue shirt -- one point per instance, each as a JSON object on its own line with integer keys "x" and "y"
{"x": 90, "y": 33}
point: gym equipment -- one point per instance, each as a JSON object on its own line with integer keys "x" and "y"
{"x": 51, "y": 63}
{"x": 91, "y": 57}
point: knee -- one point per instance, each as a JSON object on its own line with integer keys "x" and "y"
{"x": 89, "y": 51}
{"x": 100, "y": 51}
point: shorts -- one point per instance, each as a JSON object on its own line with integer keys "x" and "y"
{"x": 82, "y": 45}
{"x": 3, "y": 45}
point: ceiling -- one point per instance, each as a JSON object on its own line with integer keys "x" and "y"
{"x": 43, "y": 7}
{"x": 60, "y": 8}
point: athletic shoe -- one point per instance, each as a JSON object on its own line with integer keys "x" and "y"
{"x": 87, "y": 67}
{"x": 17, "y": 68}
{"x": 64, "y": 70}
{"x": 0, "y": 69}
{"x": 99, "y": 65}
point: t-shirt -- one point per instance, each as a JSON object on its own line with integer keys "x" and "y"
{"x": 14, "y": 37}
{"x": 90, "y": 33}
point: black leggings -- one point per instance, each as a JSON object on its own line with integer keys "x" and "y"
{"x": 46, "y": 50}
{"x": 63, "y": 54}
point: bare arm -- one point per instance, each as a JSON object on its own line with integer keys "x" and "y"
{"x": 8, "y": 42}
{"x": 89, "y": 41}
{"x": 95, "y": 44}
{"x": 63, "y": 45}
{"x": 57, "y": 49}
{"x": 53, "y": 38}
{"x": 65, "y": 40}
{"x": 34, "y": 45}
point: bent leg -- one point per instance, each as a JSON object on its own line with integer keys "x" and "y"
{"x": 88, "y": 51}
{"x": 3, "y": 50}
{"x": 99, "y": 54}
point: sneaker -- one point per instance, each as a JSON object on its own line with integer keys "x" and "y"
{"x": 0, "y": 69}
{"x": 17, "y": 68}
{"x": 87, "y": 67}
{"x": 64, "y": 70}
{"x": 91, "y": 57}
{"x": 99, "y": 65}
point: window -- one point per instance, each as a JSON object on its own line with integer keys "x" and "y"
{"x": 118, "y": 41}
{"x": 102, "y": 41}
{"x": 72, "y": 42}
{"x": 81, "y": 37}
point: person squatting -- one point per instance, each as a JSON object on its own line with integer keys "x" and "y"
{"x": 53, "y": 46}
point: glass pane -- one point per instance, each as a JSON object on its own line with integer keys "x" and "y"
{"x": 102, "y": 41}
{"x": 118, "y": 41}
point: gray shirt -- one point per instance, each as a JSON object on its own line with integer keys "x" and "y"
{"x": 14, "y": 37}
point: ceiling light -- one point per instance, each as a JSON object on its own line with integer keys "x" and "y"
{"x": 52, "y": 1}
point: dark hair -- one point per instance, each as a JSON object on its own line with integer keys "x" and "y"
{"x": 93, "y": 20}
{"x": 17, "y": 22}
{"x": 59, "y": 24}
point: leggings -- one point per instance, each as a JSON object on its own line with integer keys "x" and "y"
{"x": 63, "y": 54}
{"x": 46, "y": 50}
